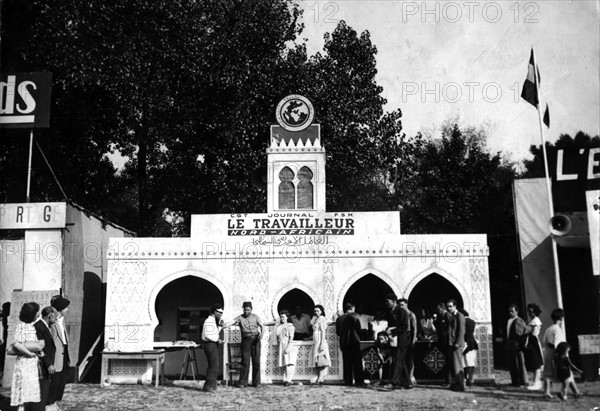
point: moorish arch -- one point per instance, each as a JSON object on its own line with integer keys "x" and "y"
{"x": 291, "y": 286}
{"x": 446, "y": 276}
{"x": 227, "y": 298}
{"x": 357, "y": 276}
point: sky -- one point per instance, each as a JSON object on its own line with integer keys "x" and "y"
{"x": 466, "y": 61}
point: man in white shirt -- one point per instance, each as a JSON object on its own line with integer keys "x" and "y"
{"x": 210, "y": 339}
{"x": 301, "y": 322}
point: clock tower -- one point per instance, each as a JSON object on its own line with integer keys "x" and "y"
{"x": 295, "y": 159}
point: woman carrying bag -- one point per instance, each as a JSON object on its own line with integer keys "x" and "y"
{"x": 320, "y": 354}
{"x": 25, "y": 389}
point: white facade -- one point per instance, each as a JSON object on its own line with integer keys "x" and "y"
{"x": 260, "y": 257}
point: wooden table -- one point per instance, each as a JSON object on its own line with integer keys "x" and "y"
{"x": 157, "y": 356}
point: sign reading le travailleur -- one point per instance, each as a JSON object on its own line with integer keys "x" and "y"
{"x": 25, "y": 100}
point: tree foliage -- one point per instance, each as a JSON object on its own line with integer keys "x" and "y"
{"x": 187, "y": 91}
{"x": 454, "y": 185}
{"x": 534, "y": 167}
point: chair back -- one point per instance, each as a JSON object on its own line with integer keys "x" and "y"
{"x": 234, "y": 355}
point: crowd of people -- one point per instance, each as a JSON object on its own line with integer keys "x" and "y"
{"x": 40, "y": 344}
{"x": 42, "y": 357}
{"x": 395, "y": 333}
{"x": 547, "y": 359}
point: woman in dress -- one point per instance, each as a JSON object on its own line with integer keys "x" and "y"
{"x": 534, "y": 359}
{"x": 288, "y": 351}
{"x": 25, "y": 390}
{"x": 553, "y": 336}
{"x": 320, "y": 352}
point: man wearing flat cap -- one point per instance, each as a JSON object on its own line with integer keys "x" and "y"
{"x": 61, "y": 357}
{"x": 251, "y": 327}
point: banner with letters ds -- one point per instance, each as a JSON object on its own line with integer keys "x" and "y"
{"x": 25, "y": 100}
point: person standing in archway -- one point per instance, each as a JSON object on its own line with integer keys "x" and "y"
{"x": 301, "y": 322}
{"x": 210, "y": 338}
{"x": 456, "y": 345}
{"x": 320, "y": 352}
{"x": 442, "y": 324}
{"x": 412, "y": 339}
{"x": 348, "y": 328}
{"x": 399, "y": 323}
{"x": 251, "y": 327}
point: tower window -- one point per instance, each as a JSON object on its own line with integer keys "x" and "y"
{"x": 305, "y": 188}
{"x": 287, "y": 190}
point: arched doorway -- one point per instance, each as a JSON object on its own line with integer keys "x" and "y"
{"x": 430, "y": 291}
{"x": 368, "y": 295}
{"x": 181, "y": 307}
{"x": 293, "y": 298}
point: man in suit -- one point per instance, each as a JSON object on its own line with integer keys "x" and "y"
{"x": 347, "y": 328}
{"x": 61, "y": 359}
{"x": 399, "y": 329}
{"x": 43, "y": 332}
{"x": 442, "y": 323}
{"x": 456, "y": 345}
{"x": 515, "y": 333}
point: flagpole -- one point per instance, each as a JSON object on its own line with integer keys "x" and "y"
{"x": 29, "y": 165}
{"x": 550, "y": 200}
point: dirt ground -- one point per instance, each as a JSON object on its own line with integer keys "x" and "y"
{"x": 496, "y": 397}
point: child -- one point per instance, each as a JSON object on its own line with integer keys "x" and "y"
{"x": 288, "y": 351}
{"x": 384, "y": 351}
{"x": 563, "y": 365}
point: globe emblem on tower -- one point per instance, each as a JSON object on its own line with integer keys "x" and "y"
{"x": 295, "y": 113}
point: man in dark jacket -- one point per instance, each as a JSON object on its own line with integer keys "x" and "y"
{"x": 347, "y": 328}
{"x": 515, "y": 333}
{"x": 442, "y": 323}
{"x": 42, "y": 330}
{"x": 470, "y": 352}
{"x": 399, "y": 329}
{"x": 456, "y": 345}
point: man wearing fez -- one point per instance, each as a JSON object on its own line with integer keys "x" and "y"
{"x": 251, "y": 327}
{"x": 210, "y": 338}
{"x": 61, "y": 358}
{"x": 43, "y": 332}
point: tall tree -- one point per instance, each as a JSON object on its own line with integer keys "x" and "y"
{"x": 362, "y": 142}
{"x": 454, "y": 185}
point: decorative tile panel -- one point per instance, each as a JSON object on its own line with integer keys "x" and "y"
{"x": 479, "y": 289}
{"x": 250, "y": 283}
{"x": 485, "y": 354}
{"x": 328, "y": 296}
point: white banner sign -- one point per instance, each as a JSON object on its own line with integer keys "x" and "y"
{"x": 32, "y": 215}
{"x": 593, "y": 209}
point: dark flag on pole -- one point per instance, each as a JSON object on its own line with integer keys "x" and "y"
{"x": 547, "y": 116}
{"x": 530, "y": 86}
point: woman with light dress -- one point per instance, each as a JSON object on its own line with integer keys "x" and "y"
{"x": 25, "y": 389}
{"x": 320, "y": 351}
{"x": 288, "y": 351}
{"x": 553, "y": 336}
{"x": 534, "y": 359}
